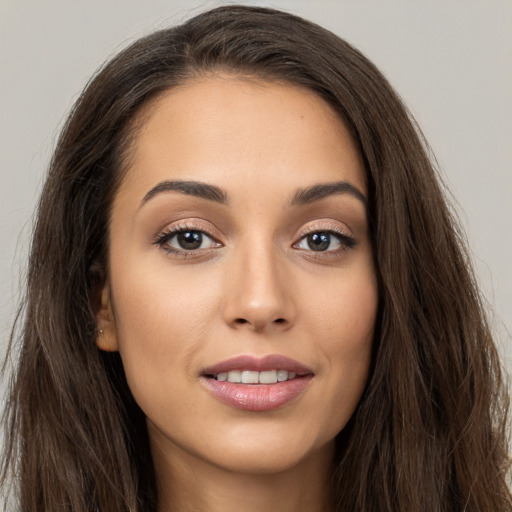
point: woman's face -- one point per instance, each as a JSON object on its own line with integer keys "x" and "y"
{"x": 239, "y": 249}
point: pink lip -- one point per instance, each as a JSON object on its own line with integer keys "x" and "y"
{"x": 257, "y": 397}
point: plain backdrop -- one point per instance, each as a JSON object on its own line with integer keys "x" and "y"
{"x": 450, "y": 60}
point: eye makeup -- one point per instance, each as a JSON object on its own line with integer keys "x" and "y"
{"x": 186, "y": 240}
{"x": 189, "y": 239}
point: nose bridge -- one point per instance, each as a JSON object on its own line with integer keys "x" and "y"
{"x": 257, "y": 295}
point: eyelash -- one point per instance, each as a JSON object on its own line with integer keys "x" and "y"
{"x": 162, "y": 240}
{"x": 346, "y": 242}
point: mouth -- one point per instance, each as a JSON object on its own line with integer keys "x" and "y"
{"x": 254, "y": 377}
{"x": 257, "y": 384}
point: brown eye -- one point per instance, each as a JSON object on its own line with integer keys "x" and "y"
{"x": 325, "y": 241}
{"x": 189, "y": 240}
{"x": 318, "y": 241}
{"x": 184, "y": 240}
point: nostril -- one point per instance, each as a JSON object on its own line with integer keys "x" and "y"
{"x": 258, "y": 323}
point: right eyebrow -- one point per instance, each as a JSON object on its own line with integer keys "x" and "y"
{"x": 191, "y": 188}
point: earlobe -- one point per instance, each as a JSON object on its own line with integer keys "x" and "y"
{"x": 106, "y": 338}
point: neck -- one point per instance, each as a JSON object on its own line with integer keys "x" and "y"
{"x": 186, "y": 484}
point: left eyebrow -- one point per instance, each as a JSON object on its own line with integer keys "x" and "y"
{"x": 320, "y": 191}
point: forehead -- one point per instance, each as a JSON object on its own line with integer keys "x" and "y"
{"x": 241, "y": 132}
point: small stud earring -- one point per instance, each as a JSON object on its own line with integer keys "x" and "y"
{"x": 100, "y": 331}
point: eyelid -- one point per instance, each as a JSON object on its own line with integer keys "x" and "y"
{"x": 331, "y": 226}
{"x": 347, "y": 240}
{"x": 191, "y": 224}
{"x": 324, "y": 225}
{"x": 166, "y": 233}
{"x": 170, "y": 234}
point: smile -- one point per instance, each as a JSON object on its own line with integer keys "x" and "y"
{"x": 254, "y": 377}
{"x": 257, "y": 384}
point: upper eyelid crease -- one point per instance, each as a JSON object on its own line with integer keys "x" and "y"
{"x": 164, "y": 236}
{"x": 304, "y": 231}
{"x": 340, "y": 234}
{"x": 176, "y": 230}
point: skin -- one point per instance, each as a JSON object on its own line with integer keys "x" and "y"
{"x": 255, "y": 287}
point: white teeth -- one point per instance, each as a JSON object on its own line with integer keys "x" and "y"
{"x": 269, "y": 377}
{"x": 253, "y": 377}
{"x": 235, "y": 376}
{"x": 249, "y": 377}
{"x": 282, "y": 375}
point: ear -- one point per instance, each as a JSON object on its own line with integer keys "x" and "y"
{"x": 107, "y": 332}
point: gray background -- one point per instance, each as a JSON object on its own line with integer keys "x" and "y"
{"x": 450, "y": 60}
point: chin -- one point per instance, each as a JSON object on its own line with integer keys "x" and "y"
{"x": 269, "y": 456}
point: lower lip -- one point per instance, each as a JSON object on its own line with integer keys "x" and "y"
{"x": 258, "y": 397}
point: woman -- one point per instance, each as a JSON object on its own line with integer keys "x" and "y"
{"x": 246, "y": 291}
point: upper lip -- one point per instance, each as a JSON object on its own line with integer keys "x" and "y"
{"x": 259, "y": 364}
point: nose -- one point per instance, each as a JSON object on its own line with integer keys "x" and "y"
{"x": 259, "y": 294}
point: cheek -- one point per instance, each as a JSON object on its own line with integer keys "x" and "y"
{"x": 352, "y": 319}
{"x": 150, "y": 296}
{"x": 347, "y": 316}
{"x": 346, "y": 308}
{"x": 161, "y": 319}
{"x": 355, "y": 321}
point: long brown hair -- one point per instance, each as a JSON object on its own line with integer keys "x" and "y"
{"x": 429, "y": 433}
